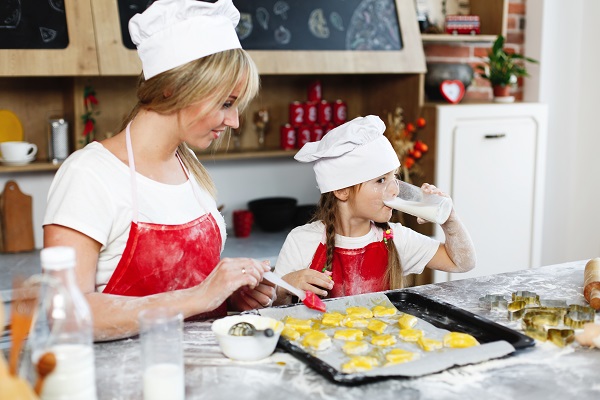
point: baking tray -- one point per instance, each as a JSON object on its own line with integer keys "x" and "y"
{"x": 496, "y": 340}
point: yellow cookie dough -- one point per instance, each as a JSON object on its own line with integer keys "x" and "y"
{"x": 348, "y": 334}
{"x": 383, "y": 340}
{"x": 382, "y": 311}
{"x": 376, "y": 326}
{"x": 332, "y": 319}
{"x": 429, "y": 344}
{"x": 407, "y": 321}
{"x": 316, "y": 340}
{"x": 300, "y": 325}
{"x": 398, "y": 356}
{"x": 410, "y": 335}
{"x": 290, "y": 333}
{"x": 359, "y": 312}
{"x": 354, "y": 322}
{"x": 459, "y": 340}
{"x": 355, "y": 347}
{"x": 359, "y": 363}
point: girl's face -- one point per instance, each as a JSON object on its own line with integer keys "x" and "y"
{"x": 200, "y": 132}
{"x": 367, "y": 201}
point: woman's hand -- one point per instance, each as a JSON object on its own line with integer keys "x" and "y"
{"x": 230, "y": 275}
{"x": 262, "y": 296}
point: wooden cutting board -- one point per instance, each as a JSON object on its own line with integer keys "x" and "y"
{"x": 16, "y": 220}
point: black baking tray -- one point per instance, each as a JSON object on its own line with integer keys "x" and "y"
{"x": 440, "y": 314}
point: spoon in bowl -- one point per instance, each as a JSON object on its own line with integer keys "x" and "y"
{"x": 248, "y": 329}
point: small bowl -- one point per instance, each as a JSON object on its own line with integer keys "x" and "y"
{"x": 273, "y": 214}
{"x": 247, "y": 348}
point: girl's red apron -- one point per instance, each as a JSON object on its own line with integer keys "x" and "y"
{"x": 162, "y": 258}
{"x": 355, "y": 271}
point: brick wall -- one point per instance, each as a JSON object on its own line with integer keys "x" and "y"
{"x": 472, "y": 53}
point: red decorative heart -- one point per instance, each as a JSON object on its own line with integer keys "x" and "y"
{"x": 453, "y": 91}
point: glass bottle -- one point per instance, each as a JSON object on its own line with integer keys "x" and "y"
{"x": 63, "y": 327}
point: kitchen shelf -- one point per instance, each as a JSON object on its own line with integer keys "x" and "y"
{"x": 33, "y": 167}
{"x": 447, "y": 38}
{"x": 246, "y": 155}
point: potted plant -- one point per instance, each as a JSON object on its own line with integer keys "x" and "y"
{"x": 502, "y": 69}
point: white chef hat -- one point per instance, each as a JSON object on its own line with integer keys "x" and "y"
{"x": 349, "y": 154}
{"x": 171, "y": 33}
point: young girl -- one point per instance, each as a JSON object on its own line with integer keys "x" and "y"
{"x": 351, "y": 248}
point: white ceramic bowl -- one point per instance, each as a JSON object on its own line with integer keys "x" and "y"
{"x": 247, "y": 348}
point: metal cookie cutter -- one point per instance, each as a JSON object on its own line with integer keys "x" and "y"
{"x": 493, "y": 301}
{"x": 561, "y": 337}
{"x": 578, "y": 315}
{"x": 516, "y": 310}
{"x": 530, "y": 298}
{"x": 535, "y": 321}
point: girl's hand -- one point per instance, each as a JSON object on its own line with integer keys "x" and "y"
{"x": 311, "y": 280}
{"x": 431, "y": 189}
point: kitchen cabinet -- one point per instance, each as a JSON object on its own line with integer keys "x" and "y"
{"x": 78, "y": 58}
{"x": 492, "y": 16}
{"x": 490, "y": 160}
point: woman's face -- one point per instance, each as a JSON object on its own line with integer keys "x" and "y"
{"x": 200, "y": 132}
{"x": 368, "y": 199}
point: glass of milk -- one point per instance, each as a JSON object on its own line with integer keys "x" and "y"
{"x": 161, "y": 336}
{"x": 414, "y": 201}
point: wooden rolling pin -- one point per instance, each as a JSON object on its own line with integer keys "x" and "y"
{"x": 591, "y": 283}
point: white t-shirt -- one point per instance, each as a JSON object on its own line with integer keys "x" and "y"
{"x": 91, "y": 193}
{"x": 415, "y": 250}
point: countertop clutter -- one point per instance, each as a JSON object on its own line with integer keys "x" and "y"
{"x": 541, "y": 372}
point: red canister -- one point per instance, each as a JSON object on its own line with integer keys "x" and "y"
{"x": 314, "y": 91}
{"x": 310, "y": 112}
{"x": 340, "y": 112}
{"x": 324, "y": 111}
{"x": 316, "y": 133}
{"x": 288, "y": 137}
{"x": 303, "y": 136}
{"x": 296, "y": 113}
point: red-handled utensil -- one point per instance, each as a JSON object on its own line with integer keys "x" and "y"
{"x": 309, "y": 299}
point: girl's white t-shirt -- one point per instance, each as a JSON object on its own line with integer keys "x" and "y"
{"x": 415, "y": 249}
{"x": 91, "y": 193}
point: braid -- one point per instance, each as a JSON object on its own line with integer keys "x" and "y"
{"x": 393, "y": 275}
{"x": 326, "y": 212}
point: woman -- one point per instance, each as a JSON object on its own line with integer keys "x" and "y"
{"x": 139, "y": 208}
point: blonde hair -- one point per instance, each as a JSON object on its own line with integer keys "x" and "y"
{"x": 327, "y": 211}
{"x": 210, "y": 79}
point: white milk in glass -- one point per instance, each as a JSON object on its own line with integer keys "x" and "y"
{"x": 164, "y": 381}
{"x": 432, "y": 212}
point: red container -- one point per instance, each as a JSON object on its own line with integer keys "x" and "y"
{"x": 316, "y": 133}
{"x": 242, "y": 222}
{"x": 315, "y": 92}
{"x": 324, "y": 111}
{"x": 296, "y": 113}
{"x": 310, "y": 112}
{"x": 302, "y": 136}
{"x": 340, "y": 112}
{"x": 288, "y": 137}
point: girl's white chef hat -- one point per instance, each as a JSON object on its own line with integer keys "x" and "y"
{"x": 171, "y": 33}
{"x": 349, "y": 154}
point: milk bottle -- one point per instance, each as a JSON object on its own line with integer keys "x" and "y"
{"x": 64, "y": 327}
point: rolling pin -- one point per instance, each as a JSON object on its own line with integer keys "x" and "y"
{"x": 591, "y": 283}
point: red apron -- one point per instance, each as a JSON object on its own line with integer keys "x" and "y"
{"x": 355, "y": 271}
{"x": 162, "y": 258}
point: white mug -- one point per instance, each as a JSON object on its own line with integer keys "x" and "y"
{"x": 18, "y": 151}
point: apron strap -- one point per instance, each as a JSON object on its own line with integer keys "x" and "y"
{"x": 134, "y": 199}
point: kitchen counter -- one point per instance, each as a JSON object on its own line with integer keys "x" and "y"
{"x": 541, "y": 372}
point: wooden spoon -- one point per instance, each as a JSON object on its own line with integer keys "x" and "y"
{"x": 44, "y": 366}
{"x": 22, "y": 310}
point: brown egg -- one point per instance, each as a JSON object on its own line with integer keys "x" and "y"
{"x": 590, "y": 332}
